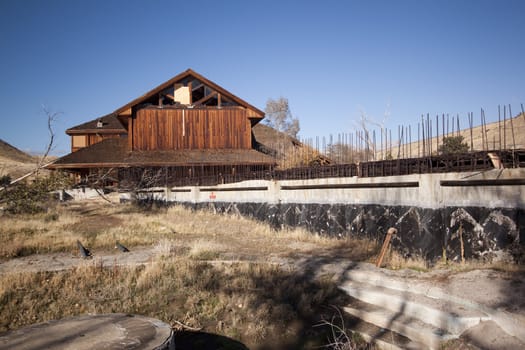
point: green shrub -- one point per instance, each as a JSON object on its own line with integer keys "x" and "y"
{"x": 453, "y": 144}
{"x": 5, "y": 180}
{"x": 33, "y": 197}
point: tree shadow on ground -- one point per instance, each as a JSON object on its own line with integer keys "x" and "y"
{"x": 188, "y": 340}
{"x": 281, "y": 307}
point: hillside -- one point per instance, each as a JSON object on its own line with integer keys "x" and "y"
{"x": 14, "y": 154}
{"x": 14, "y": 162}
{"x": 288, "y": 151}
{"x": 508, "y": 135}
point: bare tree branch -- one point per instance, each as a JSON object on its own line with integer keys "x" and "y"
{"x": 98, "y": 182}
{"x": 51, "y": 119}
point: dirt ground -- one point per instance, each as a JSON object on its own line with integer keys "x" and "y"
{"x": 498, "y": 289}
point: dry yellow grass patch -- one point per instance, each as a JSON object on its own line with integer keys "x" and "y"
{"x": 397, "y": 261}
{"x": 202, "y": 249}
{"x": 175, "y": 230}
{"x": 470, "y": 265}
{"x": 253, "y": 303}
{"x": 183, "y": 220}
{"x": 29, "y": 234}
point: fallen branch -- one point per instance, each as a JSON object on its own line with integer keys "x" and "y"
{"x": 183, "y": 326}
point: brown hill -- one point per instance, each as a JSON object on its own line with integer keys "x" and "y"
{"x": 494, "y": 136}
{"x": 288, "y": 151}
{"x": 14, "y": 162}
{"x": 12, "y": 153}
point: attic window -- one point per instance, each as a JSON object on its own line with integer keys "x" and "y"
{"x": 100, "y": 123}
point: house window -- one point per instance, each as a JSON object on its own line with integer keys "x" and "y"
{"x": 79, "y": 141}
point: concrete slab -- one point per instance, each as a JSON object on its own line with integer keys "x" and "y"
{"x": 488, "y": 335}
{"x": 483, "y": 291}
{"x": 108, "y": 331}
{"x": 448, "y": 316}
{"x": 425, "y": 334}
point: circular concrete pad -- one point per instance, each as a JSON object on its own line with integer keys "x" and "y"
{"x": 109, "y": 331}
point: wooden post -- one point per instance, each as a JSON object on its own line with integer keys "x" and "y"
{"x": 462, "y": 244}
{"x": 391, "y": 231}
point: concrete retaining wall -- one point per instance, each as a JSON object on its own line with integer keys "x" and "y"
{"x": 495, "y": 188}
{"x": 427, "y": 209}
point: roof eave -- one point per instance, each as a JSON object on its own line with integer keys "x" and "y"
{"x": 96, "y": 131}
{"x": 149, "y": 164}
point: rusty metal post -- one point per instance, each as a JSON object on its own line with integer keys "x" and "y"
{"x": 391, "y": 231}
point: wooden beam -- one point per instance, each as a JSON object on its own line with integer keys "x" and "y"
{"x": 130, "y": 133}
{"x": 219, "y": 101}
{"x": 197, "y": 87}
{"x": 206, "y": 98}
{"x": 391, "y": 231}
{"x": 191, "y": 92}
{"x": 126, "y": 113}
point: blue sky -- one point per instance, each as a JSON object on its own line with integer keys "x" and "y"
{"x": 333, "y": 60}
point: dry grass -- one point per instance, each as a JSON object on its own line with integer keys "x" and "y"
{"x": 254, "y": 303}
{"x": 397, "y": 261}
{"x": 470, "y": 265}
{"x": 30, "y": 234}
{"x": 99, "y": 226}
{"x": 260, "y": 304}
{"x": 206, "y": 250}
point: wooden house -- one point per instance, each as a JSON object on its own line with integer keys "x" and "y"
{"x": 188, "y": 126}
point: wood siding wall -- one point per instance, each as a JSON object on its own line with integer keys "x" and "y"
{"x": 91, "y": 139}
{"x": 165, "y": 129}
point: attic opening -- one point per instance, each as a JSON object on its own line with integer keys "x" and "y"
{"x": 189, "y": 92}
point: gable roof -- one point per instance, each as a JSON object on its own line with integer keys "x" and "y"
{"x": 109, "y": 124}
{"x": 112, "y": 124}
{"x": 179, "y": 77}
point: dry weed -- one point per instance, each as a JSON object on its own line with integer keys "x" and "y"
{"x": 397, "y": 261}
{"x": 472, "y": 264}
{"x": 205, "y": 249}
{"x": 99, "y": 225}
{"x": 165, "y": 248}
{"x": 245, "y": 301}
{"x": 40, "y": 233}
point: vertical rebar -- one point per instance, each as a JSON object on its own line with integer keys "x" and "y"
{"x": 484, "y": 130}
{"x": 381, "y": 149}
{"x": 471, "y": 125}
{"x": 374, "y": 144}
{"x": 447, "y": 124}
{"x": 443, "y": 133}
{"x": 406, "y": 142}
{"x": 423, "y": 134}
{"x": 437, "y": 131}
{"x": 390, "y": 137}
{"x": 513, "y": 139}
{"x": 351, "y": 148}
{"x": 418, "y": 139}
{"x": 512, "y": 129}
{"x": 481, "y": 125}
{"x": 504, "y": 127}
{"x": 499, "y": 125}
{"x": 429, "y": 134}
{"x": 410, "y": 140}
{"x": 458, "y": 128}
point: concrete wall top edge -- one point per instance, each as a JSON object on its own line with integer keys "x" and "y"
{"x": 428, "y": 193}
